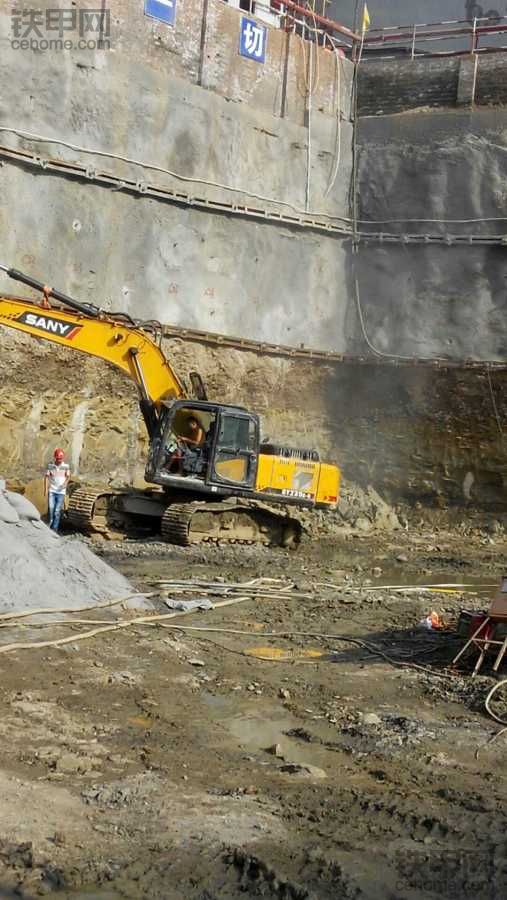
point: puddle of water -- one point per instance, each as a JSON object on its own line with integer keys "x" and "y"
{"x": 256, "y": 732}
{"x": 217, "y": 702}
{"x": 262, "y": 728}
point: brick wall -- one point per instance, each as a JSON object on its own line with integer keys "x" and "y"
{"x": 210, "y": 56}
{"x": 491, "y": 88}
{"x": 388, "y": 86}
{"x": 280, "y": 85}
{"x": 396, "y": 85}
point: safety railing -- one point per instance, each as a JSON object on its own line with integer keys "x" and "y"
{"x": 449, "y": 38}
{"x": 304, "y": 21}
{"x": 479, "y": 35}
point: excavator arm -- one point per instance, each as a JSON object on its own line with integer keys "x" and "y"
{"x": 113, "y": 338}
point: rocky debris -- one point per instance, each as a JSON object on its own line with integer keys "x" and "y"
{"x": 301, "y": 734}
{"x": 71, "y": 764}
{"x": 364, "y": 509}
{"x": 388, "y": 734}
{"x": 372, "y": 719}
{"x": 303, "y": 770}
{"x": 125, "y": 678}
{"x": 236, "y": 793}
{"x": 117, "y": 794}
{"x": 40, "y": 569}
{"x": 189, "y": 681}
{"x": 275, "y": 750}
{"x": 459, "y": 689}
{"x": 441, "y": 759}
{"x": 189, "y": 605}
{"x": 359, "y": 509}
{"x": 17, "y": 855}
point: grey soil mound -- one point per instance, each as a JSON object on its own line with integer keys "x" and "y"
{"x": 40, "y": 569}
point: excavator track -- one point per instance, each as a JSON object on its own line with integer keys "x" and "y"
{"x": 175, "y": 523}
{"x": 231, "y": 521}
{"x": 83, "y": 514}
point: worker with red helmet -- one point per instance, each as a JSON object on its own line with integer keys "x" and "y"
{"x": 55, "y": 487}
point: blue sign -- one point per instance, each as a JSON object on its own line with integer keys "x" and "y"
{"x": 253, "y": 39}
{"x": 163, "y": 10}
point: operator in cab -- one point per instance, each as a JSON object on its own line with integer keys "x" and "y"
{"x": 196, "y": 435}
{"x": 185, "y": 454}
{"x": 191, "y": 446}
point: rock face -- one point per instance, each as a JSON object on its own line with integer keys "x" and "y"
{"x": 229, "y": 138}
{"x": 412, "y": 433}
{"x": 433, "y": 173}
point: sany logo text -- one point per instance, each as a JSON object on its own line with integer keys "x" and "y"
{"x": 50, "y": 325}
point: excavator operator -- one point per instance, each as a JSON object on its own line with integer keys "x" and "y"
{"x": 187, "y": 457}
{"x": 196, "y": 437}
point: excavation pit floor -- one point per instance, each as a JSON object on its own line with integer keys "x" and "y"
{"x": 157, "y": 763}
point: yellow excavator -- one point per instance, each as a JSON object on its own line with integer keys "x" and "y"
{"x": 213, "y": 479}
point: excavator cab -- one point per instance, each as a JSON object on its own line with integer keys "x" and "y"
{"x": 205, "y": 447}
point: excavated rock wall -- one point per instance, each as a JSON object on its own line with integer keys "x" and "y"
{"x": 438, "y": 173}
{"x": 417, "y": 434}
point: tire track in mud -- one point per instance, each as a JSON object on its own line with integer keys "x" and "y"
{"x": 456, "y": 853}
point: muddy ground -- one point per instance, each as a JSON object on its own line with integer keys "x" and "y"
{"x": 156, "y": 763}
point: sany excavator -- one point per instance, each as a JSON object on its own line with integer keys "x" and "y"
{"x": 213, "y": 479}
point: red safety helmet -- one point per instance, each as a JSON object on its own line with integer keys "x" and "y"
{"x": 58, "y": 454}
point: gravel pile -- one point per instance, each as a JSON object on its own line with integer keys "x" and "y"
{"x": 40, "y": 569}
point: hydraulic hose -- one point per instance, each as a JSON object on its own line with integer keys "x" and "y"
{"x": 87, "y": 308}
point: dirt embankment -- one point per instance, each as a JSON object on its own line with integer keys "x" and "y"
{"x": 161, "y": 763}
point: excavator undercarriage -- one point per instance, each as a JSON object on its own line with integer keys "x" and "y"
{"x": 182, "y": 521}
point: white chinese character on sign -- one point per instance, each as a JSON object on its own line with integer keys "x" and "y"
{"x": 252, "y": 39}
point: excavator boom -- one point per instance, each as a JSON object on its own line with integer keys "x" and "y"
{"x": 126, "y": 347}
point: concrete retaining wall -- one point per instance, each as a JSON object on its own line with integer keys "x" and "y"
{"x": 224, "y": 141}
{"x": 492, "y": 81}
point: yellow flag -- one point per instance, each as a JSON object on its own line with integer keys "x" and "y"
{"x": 366, "y": 18}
